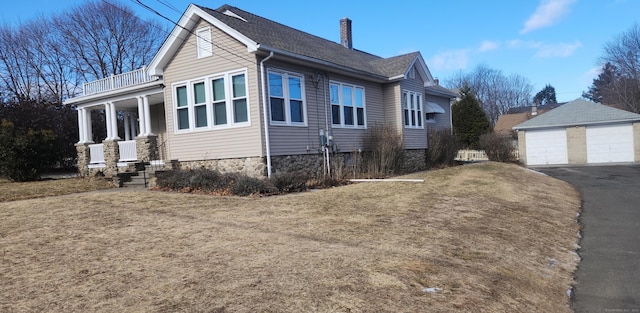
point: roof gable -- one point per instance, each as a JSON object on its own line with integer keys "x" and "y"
{"x": 184, "y": 29}
{"x": 259, "y": 33}
{"x": 579, "y": 112}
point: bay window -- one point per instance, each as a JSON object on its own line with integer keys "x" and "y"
{"x": 347, "y": 105}
{"x": 412, "y": 109}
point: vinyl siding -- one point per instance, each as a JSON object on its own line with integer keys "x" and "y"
{"x": 442, "y": 120}
{"x": 414, "y": 138}
{"x": 159, "y": 128}
{"x": 392, "y": 106}
{"x": 288, "y": 140}
{"x": 219, "y": 143}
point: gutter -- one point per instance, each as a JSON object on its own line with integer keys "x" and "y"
{"x": 265, "y": 114}
{"x": 576, "y": 124}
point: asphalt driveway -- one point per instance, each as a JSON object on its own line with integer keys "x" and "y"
{"x": 608, "y": 277}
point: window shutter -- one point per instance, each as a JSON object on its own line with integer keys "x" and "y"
{"x": 205, "y": 46}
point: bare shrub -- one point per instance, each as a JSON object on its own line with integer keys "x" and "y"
{"x": 290, "y": 182}
{"x": 383, "y": 151}
{"x": 498, "y": 148}
{"x": 443, "y": 148}
{"x": 246, "y": 186}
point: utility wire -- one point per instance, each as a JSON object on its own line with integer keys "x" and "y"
{"x": 194, "y": 34}
{"x": 169, "y": 5}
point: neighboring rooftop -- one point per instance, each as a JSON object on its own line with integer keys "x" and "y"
{"x": 579, "y": 112}
{"x": 544, "y": 107}
{"x": 515, "y": 116}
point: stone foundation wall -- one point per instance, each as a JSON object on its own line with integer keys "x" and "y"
{"x": 254, "y": 166}
{"x": 415, "y": 160}
{"x": 83, "y": 159}
{"x": 111, "y": 157}
{"x": 147, "y": 148}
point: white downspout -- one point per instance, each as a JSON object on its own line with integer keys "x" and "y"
{"x": 265, "y": 114}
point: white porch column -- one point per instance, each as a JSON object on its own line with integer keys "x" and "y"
{"x": 88, "y": 126}
{"x": 147, "y": 116}
{"x": 132, "y": 125}
{"x": 107, "y": 117}
{"x": 141, "y": 120}
{"x": 114, "y": 121}
{"x": 81, "y": 126}
{"x": 127, "y": 130}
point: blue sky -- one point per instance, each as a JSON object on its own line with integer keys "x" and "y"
{"x": 555, "y": 42}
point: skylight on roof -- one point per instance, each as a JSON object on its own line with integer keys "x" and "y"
{"x": 229, "y": 13}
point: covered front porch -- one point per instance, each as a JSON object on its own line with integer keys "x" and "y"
{"x": 131, "y": 106}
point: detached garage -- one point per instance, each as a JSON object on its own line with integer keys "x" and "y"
{"x": 580, "y": 132}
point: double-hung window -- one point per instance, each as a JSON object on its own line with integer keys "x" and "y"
{"x": 412, "y": 109}
{"x": 347, "y": 105}
{"x": 212, "y": 102}
{"x": 286, "y": 98}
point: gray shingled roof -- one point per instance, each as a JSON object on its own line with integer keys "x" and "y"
{"x": 579, "y": 112}
{"x": 273, "y": 34}
{"x": 437, "y": 89}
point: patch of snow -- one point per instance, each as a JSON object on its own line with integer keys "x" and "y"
{"x": 569, "y": 292}
{"x": 431, "y": 290}
{"x": 534, "y": 171}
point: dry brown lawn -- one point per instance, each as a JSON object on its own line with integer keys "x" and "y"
{"x": 492, "y": 237}
{"x": 10, "y": 191}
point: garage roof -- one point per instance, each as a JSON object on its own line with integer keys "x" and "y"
{"x": 579, "y": 112}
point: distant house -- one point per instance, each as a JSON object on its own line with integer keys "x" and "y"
{"x": 580, "y": 132}
{"x": 506, "y": 122}
{"x": 234, "y": 91}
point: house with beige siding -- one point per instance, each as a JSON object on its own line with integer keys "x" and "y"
{"x": 234, "y": 91}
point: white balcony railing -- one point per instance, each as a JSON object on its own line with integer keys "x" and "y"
{"x": 113, "y": 82}
{"x": 127, "y": 150}
{"x": 96, "y": 153}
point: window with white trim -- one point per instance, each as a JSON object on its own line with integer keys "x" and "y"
{"x": 212, "y": 102}
{"x": 287, "y": 99}
{"x": 203, "y": 42}
{"x": 348, "y": 107}
{"x": 412, "y": 109}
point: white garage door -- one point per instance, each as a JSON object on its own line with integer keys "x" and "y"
{"x": 546, "y": 147}
{"x": 613, "y": 143}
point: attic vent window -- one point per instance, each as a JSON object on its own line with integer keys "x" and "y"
{"x": 229, "y": 13}
{"x": 204, "y": 43}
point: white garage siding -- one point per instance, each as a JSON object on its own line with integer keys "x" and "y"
{"x": 546, "y": 147}
{"x": 610, "y": 143}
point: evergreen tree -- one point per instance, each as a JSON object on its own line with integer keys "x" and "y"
{"x": 469, "y": 120}
{"x": 545, "y": 96}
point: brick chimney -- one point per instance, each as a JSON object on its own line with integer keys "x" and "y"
{"x": 345, "y": 33}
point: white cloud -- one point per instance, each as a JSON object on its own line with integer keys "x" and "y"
{"x": 559, "y": 50}
{"x": 546, "y": 50}
{"x": 488, "y": 46}
{"x": 547, "y": 13}
{"x": 591, "y": 74}
{"x": 450, "y": 60}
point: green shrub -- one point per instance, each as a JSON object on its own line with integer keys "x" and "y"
{"x": 25, "y": 153}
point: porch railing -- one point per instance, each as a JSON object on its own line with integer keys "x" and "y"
{"x": 113, "y": 82}
{"x": 128, "y": 150}
{"x": 96, "y": 153}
